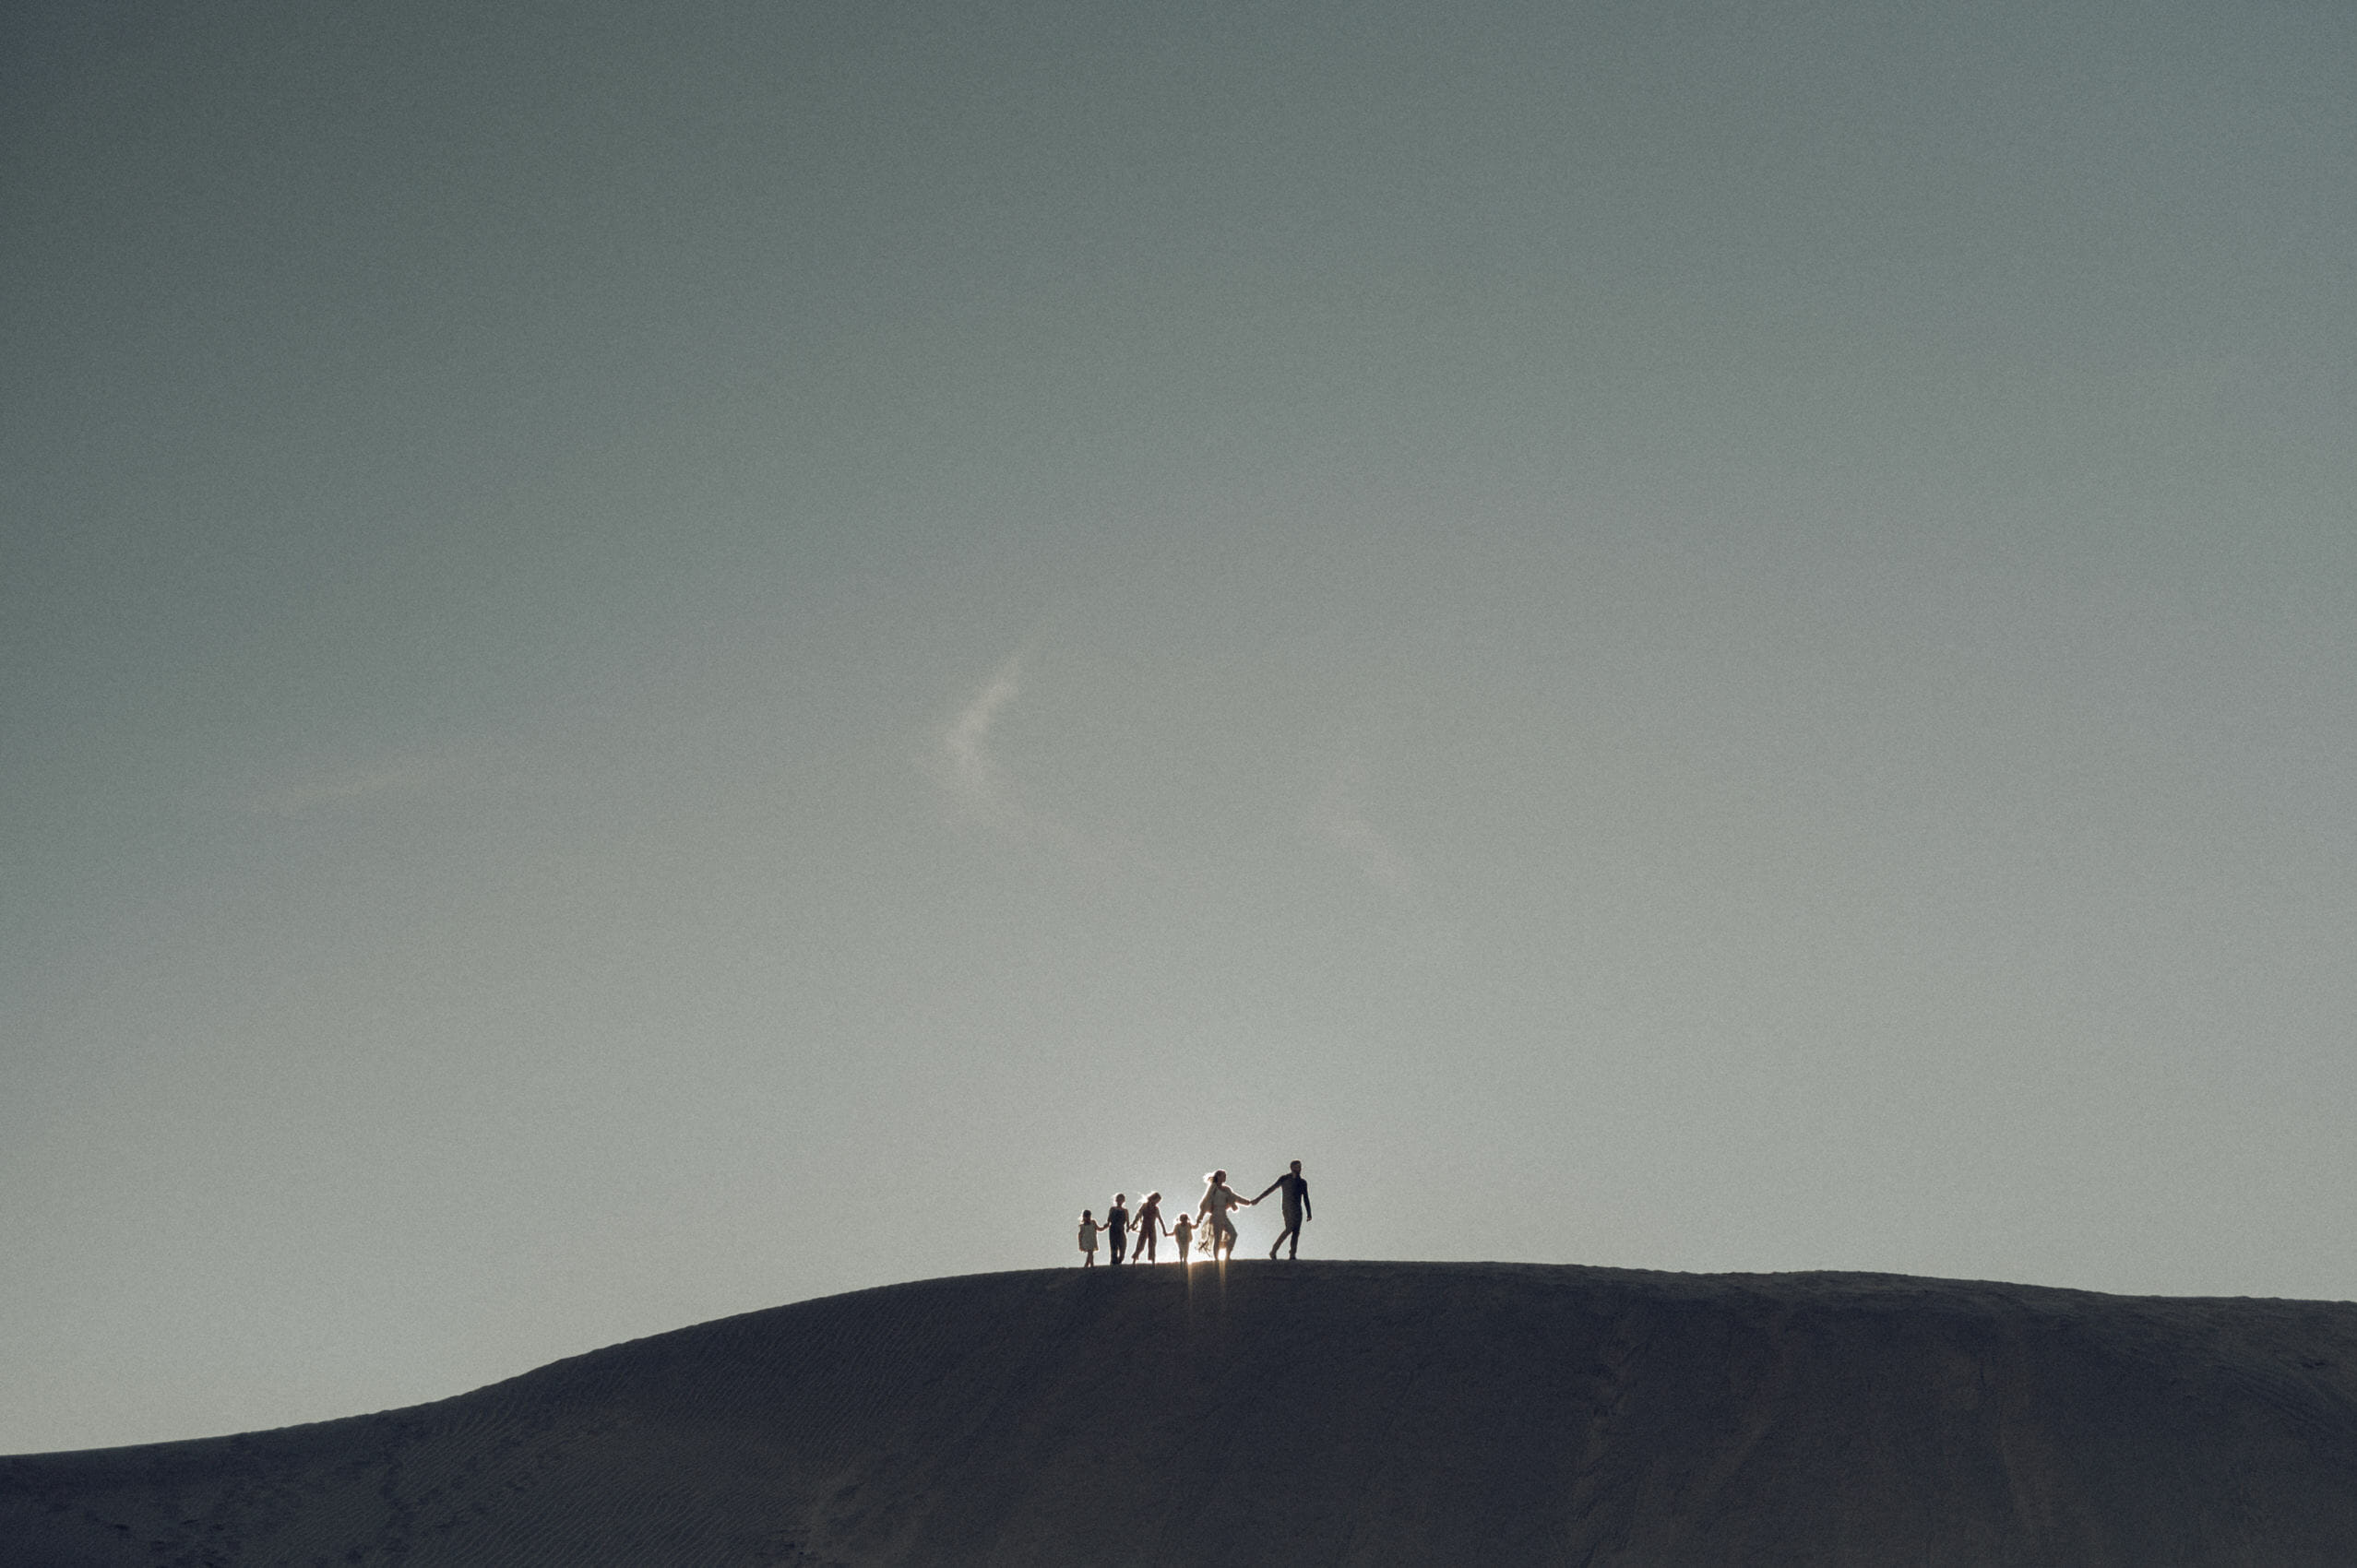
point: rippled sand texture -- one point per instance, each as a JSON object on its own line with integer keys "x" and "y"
{"x": 1315, "y": 1413}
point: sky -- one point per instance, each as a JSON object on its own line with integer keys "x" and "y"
{"x": 657, "y": 660}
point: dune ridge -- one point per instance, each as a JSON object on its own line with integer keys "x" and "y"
{"x": 1366, "y": 1413}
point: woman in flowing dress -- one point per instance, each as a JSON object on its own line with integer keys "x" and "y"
{"x": 1218, "y": 1199}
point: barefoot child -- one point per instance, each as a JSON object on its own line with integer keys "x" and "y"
{"x": 1087, "y": 1239}
{"x": 1183, "y": 1232}
{"x": 1150, "y": 1225}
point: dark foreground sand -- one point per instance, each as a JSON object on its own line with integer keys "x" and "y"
{"x": 1313, "y": 1414}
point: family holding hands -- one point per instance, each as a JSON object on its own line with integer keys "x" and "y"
{"x": 1219, "y": 1198}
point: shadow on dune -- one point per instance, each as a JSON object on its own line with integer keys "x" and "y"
{"x": 1313, "y": 1413}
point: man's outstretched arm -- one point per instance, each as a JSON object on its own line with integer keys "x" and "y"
{"x": 1267, "y": 1190}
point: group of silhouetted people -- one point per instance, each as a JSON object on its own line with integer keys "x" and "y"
{"x": 1119, "y": 1225}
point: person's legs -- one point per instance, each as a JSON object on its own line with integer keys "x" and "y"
{"x": 1121, "y": 1245}
{"x": 1293, "y": 1232}
{"x": 1146, "y": 1248}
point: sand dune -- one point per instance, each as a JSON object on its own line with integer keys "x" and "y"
{"x": 1317, "y": 1413}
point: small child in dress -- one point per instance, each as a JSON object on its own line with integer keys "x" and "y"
{"x": 1183, "y": 1232}
{"x": 1089, "y": 1228}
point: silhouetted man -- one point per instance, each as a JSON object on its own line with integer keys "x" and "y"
{"x": 1117, "y": 1226}
{"x": 1296, "y": 1190}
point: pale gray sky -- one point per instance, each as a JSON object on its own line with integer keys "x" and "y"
{"x": 657, "y": 660}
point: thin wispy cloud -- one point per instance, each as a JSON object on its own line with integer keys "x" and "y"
{"x": 1340, "y": 822}
{"x": 965, "y": 762}
{"x": 968, "y": 771}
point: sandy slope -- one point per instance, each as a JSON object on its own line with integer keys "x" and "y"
{"x": 1317, "y": 1413}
